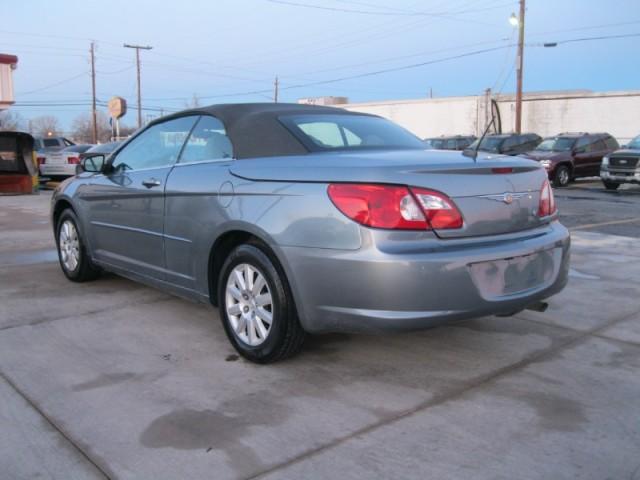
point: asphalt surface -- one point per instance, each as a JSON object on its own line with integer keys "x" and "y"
{"x": 111, "y": 379}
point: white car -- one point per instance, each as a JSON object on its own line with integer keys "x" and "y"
{"x": 61, "y": 163}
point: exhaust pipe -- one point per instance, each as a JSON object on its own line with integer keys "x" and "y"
{"x": 538, "y": 306}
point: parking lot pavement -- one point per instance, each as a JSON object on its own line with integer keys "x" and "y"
{"x": 114, "y": 379}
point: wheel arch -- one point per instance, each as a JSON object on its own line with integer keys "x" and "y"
{"x": 231, "y": 238}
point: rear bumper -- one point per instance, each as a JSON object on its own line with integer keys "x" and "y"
{"x": 425, "y": 284}
{"x": 57, "y": 170}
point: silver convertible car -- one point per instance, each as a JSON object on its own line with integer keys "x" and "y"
{"x": 298, "y": 219}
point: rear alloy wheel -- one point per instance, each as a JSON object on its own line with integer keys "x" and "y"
{"x": 611, "y": 185}
{"x": 75, "y": 263}
{"x": 562, "y": 177}
{"x": 256, "y": 307}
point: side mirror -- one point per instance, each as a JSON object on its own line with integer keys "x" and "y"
{"x": 92, "y": 164}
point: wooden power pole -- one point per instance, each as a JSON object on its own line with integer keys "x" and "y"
{"x": 138, "y": 48}
{"x": 94, "y": 119}
{"x": 276, "y": 85}
{"x": 519, "y": 67}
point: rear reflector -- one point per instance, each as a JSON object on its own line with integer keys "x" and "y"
{"x": 547, "y": 200}
{"x": 395, "y": 207}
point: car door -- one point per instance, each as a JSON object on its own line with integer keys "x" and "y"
{"x": 596, "y": 150}
{"x": 126, "y": 206}
{"x": 198, "y": 191}
{"x": 581, "y": 156}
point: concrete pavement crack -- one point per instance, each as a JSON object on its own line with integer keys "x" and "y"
{"x": 104, "y": 470}
{"x": 455, "y": 393}
{"x": 160, "y": 298}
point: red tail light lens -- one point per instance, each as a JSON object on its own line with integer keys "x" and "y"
{"x": 395, "y": 207}
{"x": 41, "y": 160}
{"x": 73, "y": 160}
{"x": 380, "y": 206}
{"x": 547, "y": 200}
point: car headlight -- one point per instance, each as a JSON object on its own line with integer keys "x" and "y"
{"x": 545, "y": 163}
{"x": 605, "y": 161}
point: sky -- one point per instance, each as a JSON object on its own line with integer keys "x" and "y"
{"x": 231, "y": 50}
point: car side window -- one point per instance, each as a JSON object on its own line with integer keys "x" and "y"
{"x": 157, "y": 146}
{"x": 208, "y": 141}
{"x": 612, "y": 143}
{"x": 581, "y": 144}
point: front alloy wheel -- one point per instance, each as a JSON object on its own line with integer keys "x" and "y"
{"x": 75, "y": 263}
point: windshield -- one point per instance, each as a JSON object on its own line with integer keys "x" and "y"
{"x": 332, "y": 132}
{"x": 556, "y": 144}
{"x": 489, "y": 144}
{"x": 635, "y": 143}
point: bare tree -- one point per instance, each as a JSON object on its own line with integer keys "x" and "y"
{"x": 10, "y": 121}
{"x": 45, "y": 126}
{"x": 82, "y": 128}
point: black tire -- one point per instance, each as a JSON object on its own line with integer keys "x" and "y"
{"x": 85, "y": 270}
{"x": 562, "y": 176}
{"x": 285, "y": 334}
{"x": 610, "y": 185}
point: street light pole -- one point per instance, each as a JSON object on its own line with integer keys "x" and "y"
{"x": 520, "y": 63}
{"x": 138, "y": 48}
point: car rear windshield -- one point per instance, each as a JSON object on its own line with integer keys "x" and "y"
{"x": 635, "y": 143}
{"x": 489, "y": 144}
{"x": 557, "y": 144}
{"x": 77, "y": 148}
{"x": 50, "y": 142}
{"x": 350, "y": 132}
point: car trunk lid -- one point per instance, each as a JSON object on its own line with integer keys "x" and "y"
{"x": 495, "y": 194}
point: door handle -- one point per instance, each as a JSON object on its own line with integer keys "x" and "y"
{"x": 151, "y": 182}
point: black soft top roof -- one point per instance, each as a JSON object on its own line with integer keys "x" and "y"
{"x": 254, "y": 128}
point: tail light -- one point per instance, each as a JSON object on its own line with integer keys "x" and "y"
{"x": 73, "y": 160}
{"x": 547, "y": 201}
{"x": 41, "y": 160}
{"x": 395, "y": 207}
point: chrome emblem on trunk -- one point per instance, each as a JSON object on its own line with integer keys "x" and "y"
{"x": 506, "y": 197}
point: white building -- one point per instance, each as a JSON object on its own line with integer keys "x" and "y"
{"x": 544, "y": 113}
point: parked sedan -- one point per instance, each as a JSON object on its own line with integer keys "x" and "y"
{"x": 61, "y": 164}
{"x": 573, "y": 155}
{"x": 622, "y": 166}
{"x": 507, "y": 143}
{"x": 295, "y": 218}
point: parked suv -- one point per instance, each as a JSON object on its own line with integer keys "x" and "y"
{"x": 622, "y": 166}
{"x": 507, "y": 143}
{"x": 572, "y": 155}
{"x": 456, "y": 142}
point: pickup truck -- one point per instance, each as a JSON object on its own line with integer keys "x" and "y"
{"x": 622, "y": 166}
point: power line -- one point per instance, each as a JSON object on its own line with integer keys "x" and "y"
{"x": 378, "y": 12}
{"x": 46, "y": 87}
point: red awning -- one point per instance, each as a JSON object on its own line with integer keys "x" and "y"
{"x": 8, "y": 59}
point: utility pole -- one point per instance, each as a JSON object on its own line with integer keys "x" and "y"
{"x": 94, "y": 119}
{"x": 138, "y": 48}
{"x": 276, "y": 85}
{"x": 520, "y": 65}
